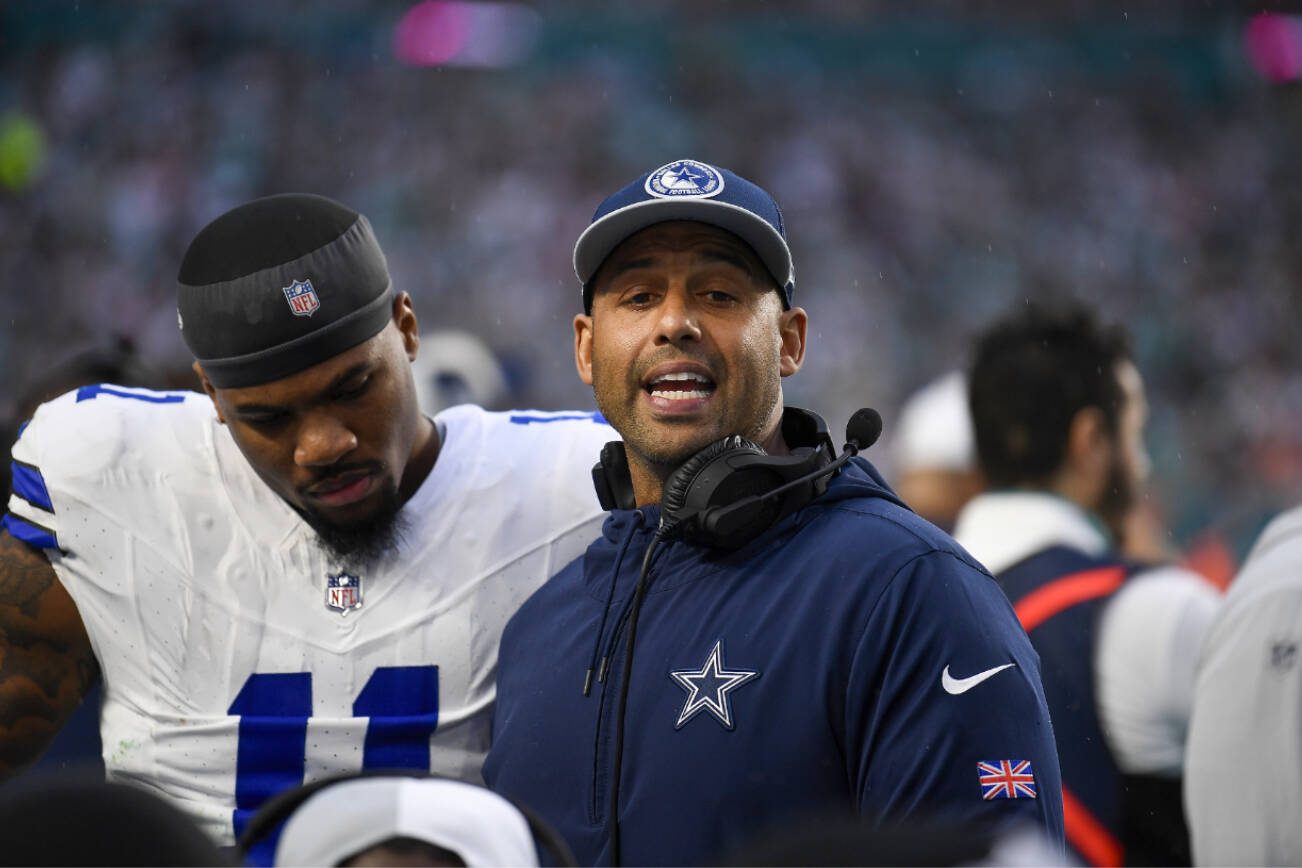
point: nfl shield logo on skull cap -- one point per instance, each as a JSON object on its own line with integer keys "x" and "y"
{"x": 302, "y": 298}
{"x": 343, "y": 593}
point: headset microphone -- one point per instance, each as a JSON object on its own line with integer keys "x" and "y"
{"x": 863, "y": 429}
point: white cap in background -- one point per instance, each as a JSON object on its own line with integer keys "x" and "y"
{"x": 346, "y": 818}
{"x": 935, "y": 428}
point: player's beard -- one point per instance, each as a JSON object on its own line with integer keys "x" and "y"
{"x": 362, "y": 545}
{"x": 1118, "y": 498}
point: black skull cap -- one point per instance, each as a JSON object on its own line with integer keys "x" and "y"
{"x": 279, "y": 284}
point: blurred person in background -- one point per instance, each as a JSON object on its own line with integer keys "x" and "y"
{"x": 387, "y": 818}
{"x": 1058, "y": 409}
{"x": 1243, "y": 772}
{"x": 936, "y": 469}
{"x": 68, "y": 819}
{"x": 299, "y": 551}
{"x": 792, "y": 656}
{"x": 457, "y": 367}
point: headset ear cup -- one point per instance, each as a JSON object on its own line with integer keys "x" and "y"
{"x": 673, "y": 499}
{"x": 611, "y": 479}
{"x": 732, "y": 528}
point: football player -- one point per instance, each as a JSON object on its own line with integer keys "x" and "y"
{"x": 297, "y": 574}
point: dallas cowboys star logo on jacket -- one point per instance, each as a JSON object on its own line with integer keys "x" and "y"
{"x": 708, "y": 688}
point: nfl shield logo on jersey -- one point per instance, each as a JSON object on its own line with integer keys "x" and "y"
{"x": 302, "y": 298}
{"x": 343, "y": 593}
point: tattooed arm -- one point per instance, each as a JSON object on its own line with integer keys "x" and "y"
{"x": 46, "y": 662}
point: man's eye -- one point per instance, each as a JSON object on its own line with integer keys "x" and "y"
{"x": 720, "y": 295}
{"x": 353, "y": 390}
{"x": 639, "y": 299}
{"x": 264, "y": 421}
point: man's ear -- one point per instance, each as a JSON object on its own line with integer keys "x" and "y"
{"x": 404, "y": 317}
{"x": 210, "y": 389}
{"x": 583, "y": 347}
{"x": 792, "y": 325}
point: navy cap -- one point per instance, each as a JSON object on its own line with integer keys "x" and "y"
{"x": 688, "y": 190}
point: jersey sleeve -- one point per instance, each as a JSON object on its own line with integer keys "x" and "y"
{"x": 1243, "y": 764}
{"x": 552, "y": 454}
{"x": 947, "y": 720}
{"x": 30, "y": 516}
{"x": 58, "y": 451}
{"x": 78, "y": 453}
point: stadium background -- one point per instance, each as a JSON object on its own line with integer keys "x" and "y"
{"x": 938, "y": 163}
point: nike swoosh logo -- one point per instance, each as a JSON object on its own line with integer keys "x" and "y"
{"x": 955, "y": 686}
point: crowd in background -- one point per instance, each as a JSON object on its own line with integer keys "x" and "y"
{"x": 936, "y": 169}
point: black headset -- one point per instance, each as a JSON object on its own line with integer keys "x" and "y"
{"x": 277, "y": 810}
{"x": 732, "y": 490}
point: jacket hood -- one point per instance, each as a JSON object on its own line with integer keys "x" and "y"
{"x": 859, "y": 478}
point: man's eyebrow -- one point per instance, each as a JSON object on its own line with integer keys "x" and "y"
{"x": 711, "y": 254}
{"x": 615, "y": 269}
{"x": 325, "y": 394}
{"x": 727, "y": 256}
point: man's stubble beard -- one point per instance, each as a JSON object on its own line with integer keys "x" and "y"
{"x": 658, "y": 455}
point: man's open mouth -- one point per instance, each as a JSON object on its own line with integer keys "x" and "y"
{"x": 680, "y": 386}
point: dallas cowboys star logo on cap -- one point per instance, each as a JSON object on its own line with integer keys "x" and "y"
{"x": 708, "y": 688}
{"x": 684, "y": 178}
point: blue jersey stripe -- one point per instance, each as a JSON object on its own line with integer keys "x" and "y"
{"x": 29, "y": 532}
{"x": 544, "y": 418}
{"x": 30, "y": 486}
{"x": 89, "y": 393}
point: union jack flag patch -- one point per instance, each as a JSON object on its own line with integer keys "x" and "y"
{"x": 1006, "y": 779}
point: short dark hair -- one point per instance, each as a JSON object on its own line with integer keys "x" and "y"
{"x": 1033, "y": 371}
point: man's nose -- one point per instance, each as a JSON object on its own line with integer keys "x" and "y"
{"x": 678, "y": 318}
{"x": 323, "y": 440}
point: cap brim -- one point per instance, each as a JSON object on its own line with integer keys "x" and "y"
{"x": 604, "y": 235}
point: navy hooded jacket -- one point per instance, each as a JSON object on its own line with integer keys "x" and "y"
{"x": 816, "y": 671}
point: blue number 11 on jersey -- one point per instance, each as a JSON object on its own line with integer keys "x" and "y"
{"x": 402, "y": 703}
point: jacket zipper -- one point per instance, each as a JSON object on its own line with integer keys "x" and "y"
{"x": 608, "y": 693}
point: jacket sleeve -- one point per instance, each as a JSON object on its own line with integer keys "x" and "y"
{"x": 946, "y": 716}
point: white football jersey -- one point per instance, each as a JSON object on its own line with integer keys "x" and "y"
{"x": 238, "y": 659}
